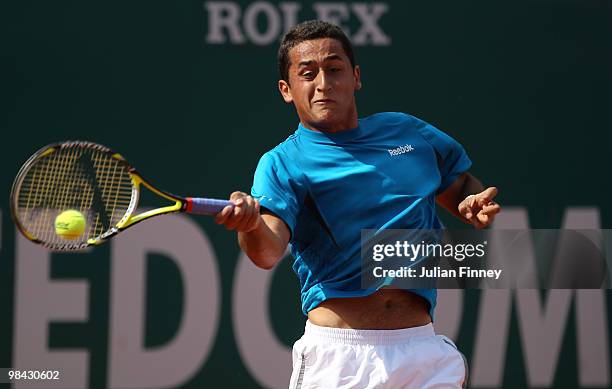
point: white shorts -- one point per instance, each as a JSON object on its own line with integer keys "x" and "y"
{"x": 406, "y": 358}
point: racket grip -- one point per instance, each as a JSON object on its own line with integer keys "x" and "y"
{"x": 204, "y": 206}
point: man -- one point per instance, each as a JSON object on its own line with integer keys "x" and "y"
{"x": 333, "y": 177}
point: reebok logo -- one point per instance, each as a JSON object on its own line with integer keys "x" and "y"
{"x": 400, "y": 150}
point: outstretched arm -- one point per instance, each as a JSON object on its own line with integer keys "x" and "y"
{"x": 468, "y": 200}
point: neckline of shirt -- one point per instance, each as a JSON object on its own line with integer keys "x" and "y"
{"x": 340, "y": 136}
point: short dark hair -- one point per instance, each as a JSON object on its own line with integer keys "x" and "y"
{"x": 306, "y": 31}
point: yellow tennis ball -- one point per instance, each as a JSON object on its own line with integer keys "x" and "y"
{"x": 70, "y": 224}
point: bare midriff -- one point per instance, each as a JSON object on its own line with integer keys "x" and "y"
{"x": 386, "y": 309}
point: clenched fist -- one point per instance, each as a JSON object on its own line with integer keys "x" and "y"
{"x": 242, "y": 216}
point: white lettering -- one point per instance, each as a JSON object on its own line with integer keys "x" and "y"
{"x": 290, "y": 14}
{"x": 170, "y": 365}
{"x": 541, "y": 328}
{"x": 273, "y": 23}
{"x": 223, "y": 15}
{"x": 227, "y": 24}
{"x": 39, "y": 301}
{"x": 254, "y": 334}
{"x": 401, "y": 150}
{"x": 541, "y": 331}
{"x": 335, "y": 13}
{"x": 449, "y": 311}
{"x": 591, "y": 313}
{"x": 377, "y": 252}
{"x": 370, "y": 32}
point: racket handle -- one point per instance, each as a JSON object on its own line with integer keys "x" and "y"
{"x": 204, "y": 206}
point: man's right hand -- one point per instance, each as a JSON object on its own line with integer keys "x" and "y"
{"x": 242, "y": 216}
{"x": 263, "y": 237}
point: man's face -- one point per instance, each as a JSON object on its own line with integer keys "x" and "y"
{"x": 322, "y": 85}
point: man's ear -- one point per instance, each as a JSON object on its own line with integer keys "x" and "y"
{"x": 357, "y": 75}
{"x": 285, "y": 90}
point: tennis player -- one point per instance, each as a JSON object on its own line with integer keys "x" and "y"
{"x": 334, "y": 176}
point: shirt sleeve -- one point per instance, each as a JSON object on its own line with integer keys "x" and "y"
{"x": 277, "y": 188}
{"x": 452, "y": 158}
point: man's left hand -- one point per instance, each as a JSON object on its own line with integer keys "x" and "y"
{"x": 479, "y": 209}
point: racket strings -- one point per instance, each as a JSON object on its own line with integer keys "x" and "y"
{"x": 88, "y": 180}
{"x": 116, "y": 191}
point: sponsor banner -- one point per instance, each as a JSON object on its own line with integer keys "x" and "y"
{"x": 157, "y": 308}
{"x": 264, "y": 23}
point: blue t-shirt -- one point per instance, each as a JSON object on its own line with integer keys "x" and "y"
{"x": 327, "y": 187}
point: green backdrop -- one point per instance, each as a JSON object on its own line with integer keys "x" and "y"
{"x": 524, "y": 86}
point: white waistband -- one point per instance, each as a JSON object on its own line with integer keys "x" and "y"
{"x": 366, "y": 337}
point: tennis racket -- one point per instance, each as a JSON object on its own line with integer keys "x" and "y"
{"x": 91, "y": 179}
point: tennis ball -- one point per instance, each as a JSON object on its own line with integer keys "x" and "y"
{"x": 70, "y": 224}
